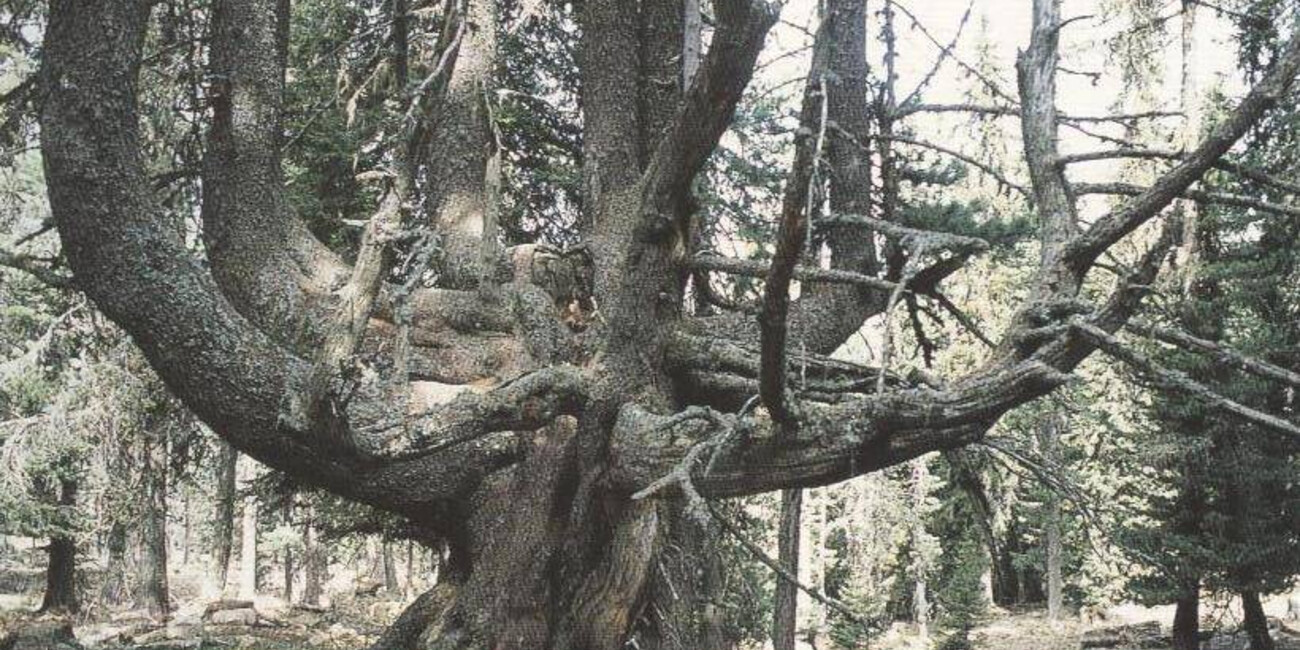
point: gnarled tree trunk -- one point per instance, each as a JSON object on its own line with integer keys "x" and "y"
{"x": 546, "y": 473}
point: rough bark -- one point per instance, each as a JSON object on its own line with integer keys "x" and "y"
{"x": 458, "y": 151}
{"x": 842, "y": 309}
{"x": 61, "y": 595}
{"x": 548, "y": 549}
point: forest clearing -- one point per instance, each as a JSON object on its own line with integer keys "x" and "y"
{"x": 649, "y": 324}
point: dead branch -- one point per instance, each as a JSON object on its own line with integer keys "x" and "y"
{"x": 972, "y": 70}
{"x": 930, "y": 240}
{"x": 963, "y": 318}
{"x": 785, "y": 575}
{"x": 1243, "y": 171}
{"x": 944, "y": 53}
{"x": 791, "y": 238}
{"x": 1081, "y": 252}
{"x": 710, "y": 102}
{"x": 969, "y": 160}
{"x": 757, "y": 269}
{"x": 31, "y": 266}
{"x": 1014, "y": 111}
{"x": 1178, "y": 381}
{"x": 1218, "y": 198}
{"x": 1223, "y": 354}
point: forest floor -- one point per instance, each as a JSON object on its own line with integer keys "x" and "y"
{"x": 354, "y": 620}
{"x": 1030, "y": 629}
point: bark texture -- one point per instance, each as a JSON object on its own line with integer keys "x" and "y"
{"x": 556, "y": 471}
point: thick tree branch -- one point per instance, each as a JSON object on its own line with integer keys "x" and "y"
{"x": 833, "y": 442}
{"x": 525, "y": 404}
{"x": 1081, "y": 252}
{"x": 1036, "y": 72}
{"x": 791, "y": 237}
{"x": 263, "y": 257}
{"x": 709, "y": 104}
{"x": 137, "y": 269}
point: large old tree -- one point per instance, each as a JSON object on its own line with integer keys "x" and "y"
{"x": 601, "y": 409}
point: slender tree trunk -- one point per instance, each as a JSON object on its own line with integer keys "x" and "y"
{"x": 391, "y": 585}
{"x": 920, "y": 598}
{"x": 1002, "y": 574}
{"x": 288, "y": 554}
{"x": 921, "y": 608}
{"x": 224, "y": 523}
{"x": 784, "y": 614}
{"x": 248, "y": 538}
{"x": 410, "y": 568}
{"x": 313, "y": 578}
{"x": 812, "y": 564}
{"x": 1049, "y": 433}
{"x": 1187, "y": 620}
{"x": 61, "y": 574}
{"x": 188, "y": 534}
{"x": 152, "y": 593}
{"x": 1255, "y": 623}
